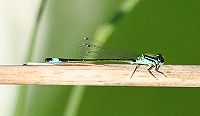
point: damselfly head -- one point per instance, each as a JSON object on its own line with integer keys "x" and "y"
{"x": 160, "y": 58}
{"x": 158, "y": 54}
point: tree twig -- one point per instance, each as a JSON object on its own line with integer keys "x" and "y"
{"x": 100, "y": 75}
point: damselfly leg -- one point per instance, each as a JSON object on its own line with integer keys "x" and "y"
{"x": 157, "y": 70}
{"x": 135, "y": 70}
{"x": 149, "y": 69}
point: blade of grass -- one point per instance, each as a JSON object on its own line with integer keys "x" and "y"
{"x": 74, "y": 101}
{"x": 19, "y": 110}
{"x": 102, "y": 33}
{"x": 35, "y": 31}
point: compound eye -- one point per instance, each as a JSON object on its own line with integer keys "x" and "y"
{"x": 159, "y": 55}
{"x": 161, "y": 59}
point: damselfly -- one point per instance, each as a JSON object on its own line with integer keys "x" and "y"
{"x": 96, "y": 53}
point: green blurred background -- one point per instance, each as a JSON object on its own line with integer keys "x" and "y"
{"x": 170, "y": 27}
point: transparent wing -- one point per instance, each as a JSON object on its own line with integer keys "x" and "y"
{"x": 92, "y": 48}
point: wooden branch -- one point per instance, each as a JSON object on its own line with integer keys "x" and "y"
{"x": 100, "y": 75}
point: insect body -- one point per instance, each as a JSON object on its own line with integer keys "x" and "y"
{"x": 92, "y": 48}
